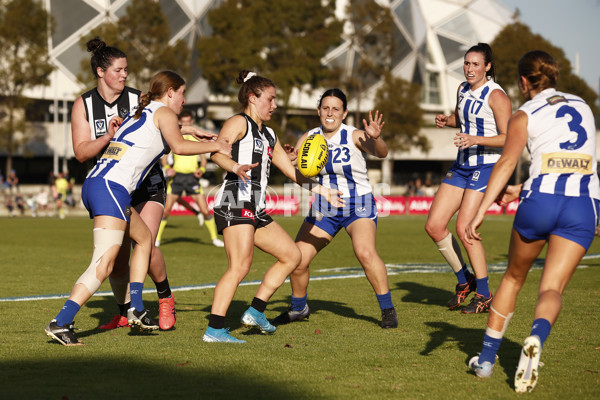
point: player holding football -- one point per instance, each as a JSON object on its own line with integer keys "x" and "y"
{"x": 559, "y": 206}
{"x": 346, "y": 169}
{"x": 481, "y": 113}
{"x": 240, "y": 206}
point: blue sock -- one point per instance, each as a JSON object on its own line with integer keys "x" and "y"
{"x": 482, "y": 287}
{"x": 489, "y": 350}
{"x": 463, "y": 275}
{"x": 298, "y": 303}
{"x": 67, "y": 313}
{"x": 135, "y": 290}
{"x": 466, "y": 271}
{"x": 541, "y": 328}
{"x": 385, "y": 300}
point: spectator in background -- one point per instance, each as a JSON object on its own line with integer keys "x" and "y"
{"x": 20, "y": 203}
{"x": 411, "y": 189}
{"x": 428, "y": 188}
{"x": 12, "y": 182}
{"x": 419, "y": 187}
{"x": 42, "y": 202}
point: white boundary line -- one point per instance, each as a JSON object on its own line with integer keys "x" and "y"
{"x": 344, "y": 273}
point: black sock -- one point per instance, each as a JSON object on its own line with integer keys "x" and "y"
{"x": 259, "y": 305}
{"x": 216, "y": 321}
{"x": 123, "y": 308}
{"x": 163, "y": 289}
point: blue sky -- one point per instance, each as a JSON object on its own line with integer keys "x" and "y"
{"x": 573, "y": 25}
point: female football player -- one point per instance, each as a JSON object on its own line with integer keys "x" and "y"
{"x": 107, "y": 194}
{"x": 240, "y": 206}
{"x": 346, "y": 169}
{"x": 482, "y": 112}
{"x": 559, "y": 206}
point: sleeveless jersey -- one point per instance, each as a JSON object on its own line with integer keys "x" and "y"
{"x": 256, "y": 146}
{"x": 185, "y": 164}
{"x": 99, "y": 112}
{"x": 477, "y": 119}
{"x": 136, "y": 147}
{"x": 346, "y": 168}
{"x": 562, "y": 143}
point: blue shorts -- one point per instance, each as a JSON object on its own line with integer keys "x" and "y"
{"x": 474, "y": 178}
{"x": 332, "y": 219}
{"x": 102, "y": 197}
{"x": 541, "y": 214}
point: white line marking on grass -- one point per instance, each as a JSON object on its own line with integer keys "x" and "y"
{"x": 346, "y": 273}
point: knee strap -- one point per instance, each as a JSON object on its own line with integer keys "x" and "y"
{"x": 104, "y": 239}
{"x": 450, "y": 249}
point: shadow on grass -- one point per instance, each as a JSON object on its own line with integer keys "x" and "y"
{"x": 120, "y": 377}
{"x": 422, "y": 294}
{"x": 335, "y": 307}
{"x": 469, "y": 341}
{"x": 184, "y": 239}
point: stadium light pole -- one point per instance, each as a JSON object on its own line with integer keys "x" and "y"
{"x": 65, "y": 112}
{"x": 55, "y": 112}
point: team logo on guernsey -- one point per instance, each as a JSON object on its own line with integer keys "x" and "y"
{"x": 123, "y": 112}
{"x": 270, "y": 152}
{"x": 258, "y": 146}
{"x": 247, "y": 214}
{"x": 100, "y": 125}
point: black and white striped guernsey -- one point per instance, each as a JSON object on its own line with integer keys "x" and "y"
{"x": 99, "y": 112}
{"x": 255, "y": 147}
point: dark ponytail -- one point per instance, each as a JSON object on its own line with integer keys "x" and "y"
{"x": 488, "y": 58}
{"x": 102, "y": 55}
{"x": 251, "y": 84}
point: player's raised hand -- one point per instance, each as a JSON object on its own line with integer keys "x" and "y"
{"x": 375, "y": 125}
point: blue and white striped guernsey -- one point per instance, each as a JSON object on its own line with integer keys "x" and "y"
{"x": 562, "y": 144}
{"x": 346, "y": 168}
{"x": 477, "y": 119}
{"x": 132, "y": 152}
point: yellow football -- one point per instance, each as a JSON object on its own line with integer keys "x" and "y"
{"x": 312, "y": 155}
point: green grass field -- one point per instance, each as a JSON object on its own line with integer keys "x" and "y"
{"x": 340, "y": 353}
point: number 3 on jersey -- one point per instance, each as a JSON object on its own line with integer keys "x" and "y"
{"x": 340, "y": 155}
{"x": 574, "y": 126}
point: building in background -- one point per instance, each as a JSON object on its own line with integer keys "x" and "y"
{"x": 431, "y": 37}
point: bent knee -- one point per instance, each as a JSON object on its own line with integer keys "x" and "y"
{"x": 435, "y": 230}
{"x": 294, "y": 258}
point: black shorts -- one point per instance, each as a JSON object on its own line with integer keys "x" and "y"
{"x": 185, "y": 182}
{"x": 226, "y": 216}
{"x": 152, "y": 188}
